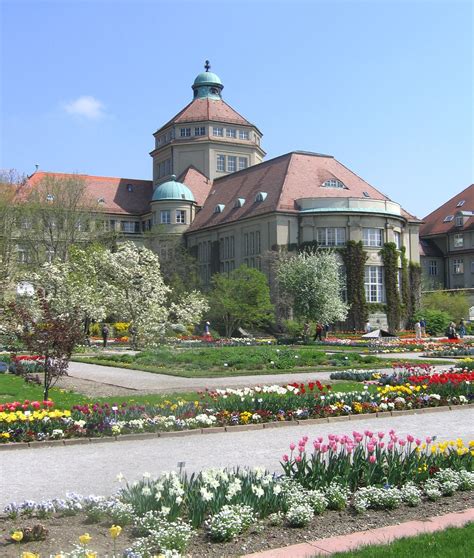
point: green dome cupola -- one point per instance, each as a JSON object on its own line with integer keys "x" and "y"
{"x": 207, "y": 84}
{"x": 173, "y": 190}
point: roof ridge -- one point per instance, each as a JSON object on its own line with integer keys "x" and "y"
{"x": 363, "y": 180}
{"x": 51, "y": 173}
{"x": 439, "y": 208}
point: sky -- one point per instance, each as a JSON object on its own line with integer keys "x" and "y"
{"x": 385, "y": 87}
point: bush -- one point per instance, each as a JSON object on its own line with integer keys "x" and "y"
{"x": 437, "y": 321}
{"x": 455, "y": 305}
{"x": 121, "y": 329}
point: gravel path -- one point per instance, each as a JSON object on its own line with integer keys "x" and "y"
{"x": 101, "y": 381}
{"x": 46, "y": 472}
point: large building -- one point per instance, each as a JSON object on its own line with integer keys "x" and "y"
{"x": 212, "y": 187}
{"x": 447, "y": 244}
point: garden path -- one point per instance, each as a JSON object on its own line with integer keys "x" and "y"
{"x": 47, "y": 472}
{"x": 96, "y": 380}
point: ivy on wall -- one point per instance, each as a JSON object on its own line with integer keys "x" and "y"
{"x": 389, "y": 255}
{"x": 406, "y": 309}
{"x": 415, "y": 287}
{"x": 354, "y": 257}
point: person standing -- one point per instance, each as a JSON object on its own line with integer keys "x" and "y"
{"x": 306, "y": 329}
{"x": 451, "y": 333}
{"x": 423, "y": 327}
{"x": 105, "y": 335}
{"x": 462, "y": 328}
{"x": 207, "y": 329}
{"x": 319, "y": 331}
{"x": 368, "y": 327}
{"x": 418, "y": 330}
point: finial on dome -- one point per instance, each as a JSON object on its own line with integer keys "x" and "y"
{"x": 207, "y": 66}
{"x": 173, "y": 177}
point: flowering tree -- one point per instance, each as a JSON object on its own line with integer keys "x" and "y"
{"x": 313, "y": 281}
{"x": 137, "y": 292}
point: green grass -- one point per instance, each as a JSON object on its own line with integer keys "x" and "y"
{"x": 13, "y": 388}
{"x": 450, "y": 543}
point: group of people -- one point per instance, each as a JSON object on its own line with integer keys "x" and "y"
{"x": 452, "y": 332}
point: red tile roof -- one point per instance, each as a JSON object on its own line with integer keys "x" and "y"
{"x": 197, "y": 182}
{"x": 205, "y": 109}
{"x": 114, "y": 191}
{"x": 434, "y": 222}
{"x": 285, "y": 179}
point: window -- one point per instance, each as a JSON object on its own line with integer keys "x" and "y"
{"x": 185, "y": 132}
{"x": 239, "y": 202}
{"x": 219, "y": 208}
{"x": 181, "y": 216}
{"x": 261, "y": 196}
{"x": 331, "y": 236}
{"x": 432, "y": 268}
{"x": 129, "y": 187}
{"x": 219, "y": 132}
{"x": 164, "y": 168}
{"x": 231, "y": 132}
{"x": 458, "y": 240}
{"x": 244, "y": 134}
{"x": 374, "y": 288}
{"x": 333, "y": 183}
{"x": 231, "y": 163}
{"x": 459, "y": 220}
{"x": 50, "y": 198}
{"x": 372, "y": 237}
{"x": 127, "y": 226}
{"x": 448, "y": 218}
{"x": 366, "y": 194}
{"x": 460, "y": 203}
{"x": 165, "y": 217}
{"x": 201, "y": 131}
{"x": 246, "y": 244}
{"x": 458, "y": 267}
{"x": 100, "y": 200}
{"x": 257, "y": 242}
{"x": 243, "y": 163}
{"x": 221, "y": 163}
{"x": 397, "y": 238}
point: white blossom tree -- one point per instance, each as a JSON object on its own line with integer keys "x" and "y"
{"x": 313, "y": 281}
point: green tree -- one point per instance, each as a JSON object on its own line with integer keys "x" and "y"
{"x": 455, "y": 305}
{"x": 314, "y": 283}
{"x": 241, "y": 299}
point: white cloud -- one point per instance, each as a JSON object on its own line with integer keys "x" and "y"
{"x": 87, "y": 107}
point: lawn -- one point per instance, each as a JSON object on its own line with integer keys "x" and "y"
{"x": 13, "y": 388}
{"x": 450, "y": 543}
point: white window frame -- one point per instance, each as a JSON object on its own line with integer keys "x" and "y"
{"x": 372, "y": 237}
{"x": 231, "y": 163}
{"x": 181, "y": 216}
{"x": 333, "y": 183}
{"x": 165, "y": 217}
{"x": 459, "y": 221}
{"x": 231, "y": 133}
{"x": 374, "y": 283}
{"x": 218, "y": 131}
{"x": 433, "y": 268}
{"x": 200, "y": 131}
{"x": 243, "y": 163}
{"x": 244, "y": 134}
{"x": 220, "y": 163}
{"x": 397, "y": 237}
{"x": 458, "y": 266}
{"x": 127, "y": 226}
{"x": 458, "y": 240}
{"x": 185, "y": 132}
{"x": 331, "y": 236}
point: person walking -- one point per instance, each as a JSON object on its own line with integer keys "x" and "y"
{"x": 462, "y": 328}
{"x": 105, "y": 335}
{"x": 319, "y": 332}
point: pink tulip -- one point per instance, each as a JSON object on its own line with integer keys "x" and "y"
{"x": 382, "y": 445}
{"x": 410, "y": 438}
{"x": 368, "y": 433}
{"x": 292, "y": 446}
{"x": 381, "y": 435}
{"x": 298, "y": 458}
{"x": 428, "y": 440}
{"x": 372, "y": 459}
{"x": 317, "y": 446}
{"x": 324, "y": 448}
{"x": 371, "y": 448}
{"x": 390, "y": 446}
{"x": 285, "y": 458}
{"x": 418, "y": 442}
{"x": 320, "y": 439}
{"x": 402, "y": 442}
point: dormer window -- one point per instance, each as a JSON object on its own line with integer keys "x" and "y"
{"x": 50, "y": 198}
{"x": 100, "y": 200}
{"x": 333, "y": 183}
{"x": 239, "y": 202}
{"x": 448, "y": 218}
{"x": 219, "y": 208}
{"x": 460, "y": 203}
{"x": 366, "y": 194}
{"x": 459, "y": 221}
{"x": 129, "y": 188}
{"x": 261, "y": 196}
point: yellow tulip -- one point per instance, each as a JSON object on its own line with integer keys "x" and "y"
{"x": 91, "y": 554}
{"x": 17, "y": 536}
{"x": 115, "y": 531}
{"x": 85, "y": 538}
{"x": 30, "y": 555}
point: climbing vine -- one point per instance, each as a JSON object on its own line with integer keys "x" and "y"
{"x": 415, "y": 287}
{"x": 354, "y": 257}
{"x": 406, "y": 309}
{"x": 389, "y": 255}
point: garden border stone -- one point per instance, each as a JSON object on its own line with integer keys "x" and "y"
{"x": 225, "y": 429}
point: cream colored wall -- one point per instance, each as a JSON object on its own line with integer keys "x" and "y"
{"x": 172, "y": 206}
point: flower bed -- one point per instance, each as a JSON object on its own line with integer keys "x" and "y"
{"x": 35, "y": 421}
{"x": 360, "y": 471}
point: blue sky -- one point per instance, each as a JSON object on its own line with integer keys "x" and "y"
{"x": 387, "y": 88}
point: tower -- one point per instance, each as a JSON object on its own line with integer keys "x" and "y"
{"x": 207, "y": 134}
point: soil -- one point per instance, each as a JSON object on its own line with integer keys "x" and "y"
{"x": 63, "y": 532}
